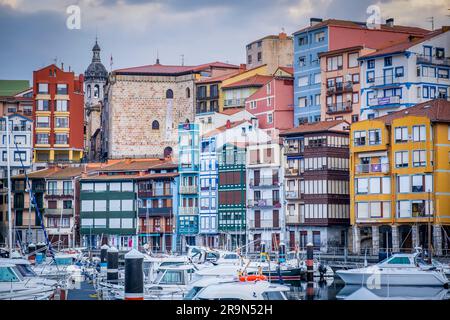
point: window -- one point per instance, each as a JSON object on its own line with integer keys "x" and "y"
{"x": 188, "y": 93}
{"x": 360, "y": 138}
{"x": 127, "y": 187}
{"x": 443, "y": 73}
{"x": 355, "y": 97}
{"x": 419, "y": 158}
{"x": 371, "y": 64}
{"x": 43, "y": 88}
{"x": 419, "y": 133}
{"x": 249, "y": 59}
{"x": 370, "y": 76}
{"x": 301, "y": 61}
{"x": 87, "y": 187}
{"x": 399, "y": 72}
{"x": 127, "y": 205}
{"x": 20, "y": 156}
{"x": 43, "y": 105}
{"x": 303, "y": 81}
{"x": 320, "y": 36}
{"x": 403, "y": 209}
{"x": 43, "y": 122}
{"x": 67, "y": 204}
{"x": 155, "y": 125}
{"x": 375, "y": 137}
{"x": 302, "y": 40}
{"x": 269, "y": 118}
{"x": 87, "y": 205}
{"x": 42, "y": 138}
{"x": 403, "y": 184}
{"x": 362, "y": 209}
{"x": 61, "y": 88}
{"x": 353, "y": 60}
{"x": 375, "y": 185}
{"x": 169, "y": 94}
{"x": 334, "y": 63}
{"x": 401, "y": 159}
{"x": 388, "y": 61}
{"x": 259, "y": 56}
{"x": 362, "y": 186}
{"x": 401, "y": 134}
{"x": 62, "y": 122}
{"x": 302, "y": 102}
{"x": 355, "y": 78}
{"x": 440, "y": 53}
{"x": 100, "y": 187}
{"x": 61, "y": 138}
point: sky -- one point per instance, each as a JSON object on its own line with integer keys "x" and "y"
{"x": 34, "y": 33}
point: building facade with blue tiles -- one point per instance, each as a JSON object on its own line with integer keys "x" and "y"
{"x": 208, "y": 176}
{"x": 308, "y": 43}
{"x": 405, "y": 74}
{"x": 188, "y": 168}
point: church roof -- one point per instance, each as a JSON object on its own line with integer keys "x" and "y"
{"x": 96, "y": 69}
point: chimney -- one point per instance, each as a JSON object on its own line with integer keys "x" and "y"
{"x": 62, "y": 66}
{"x": 314, "y": 21}
{"x": 228, "y": 126}
{"x": 390, "y": 22}
{"x": 242, "y": 67}
{"x": 282, "y": 36}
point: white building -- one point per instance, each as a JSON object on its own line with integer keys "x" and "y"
{"x": 405, "y": 74}
{"x": 21, "y": 144}
{"x": 265, "y": 203}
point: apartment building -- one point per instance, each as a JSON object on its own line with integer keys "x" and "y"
{"x": 403, "y": 75}
{"x": 58, "y": 115}
{"x": 399, "y": 180}
{"x": 316, "y": 162}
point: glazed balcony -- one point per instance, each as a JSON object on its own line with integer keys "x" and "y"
{"x": 342, "y": 107}
{"x": 292, "y": 195}
{"x": 340, "y": 87}
{"x": 188, "y": 211}
{"x": 59, "y": 212}
{"x": 292, "y": 172}
{"x": 234, "y": 103}
{"x": 155, "y": 229}
{"x": 294, "y": 149}
{"x": 433, "y": 60}
{"x": 165, "y": 211}
{"x": 264, "y": 203}
{"x": 264, "y": 183}
{"x": 189, "y": 189}
{"x": 151, "y": 193}
{"x": 372, "y": 168}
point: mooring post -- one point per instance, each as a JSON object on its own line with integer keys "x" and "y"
{"x": 103, "y": 254}
{"x": 310, "y": 262}
{"x": 134, "y": 275}
{"x": 112, "y": 268}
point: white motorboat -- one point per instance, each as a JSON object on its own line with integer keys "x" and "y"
{"x": 357, "y": 292}
{"x": 255, "y": 290}
{"x": 298, "y": 259}
{"x": 13, "y": 286}
{"x": 398, "y": 270}
{"x": 24, "y": 267}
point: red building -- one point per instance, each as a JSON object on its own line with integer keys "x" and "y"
{"x": 272, "y": 103}
{"x": 58, "y": 115}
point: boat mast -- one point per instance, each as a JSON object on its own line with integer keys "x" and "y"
{"x": 9, "y": 185}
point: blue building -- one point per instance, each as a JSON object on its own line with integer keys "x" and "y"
{"x": 209, "y": 175}
{"x": 188, "y": 168}
{"x": 308, "y": 43}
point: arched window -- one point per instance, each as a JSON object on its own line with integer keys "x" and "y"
{"x": 96, "y": 91}
{"x": 88, "y": 90}
{"x": 155, "y": 125}
{"x": 169, "y": 94}
{"x": 167, "y": 152}
{"x": 188, "y": 93}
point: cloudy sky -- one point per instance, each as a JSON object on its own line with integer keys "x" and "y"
{"x": 33, "y": 33}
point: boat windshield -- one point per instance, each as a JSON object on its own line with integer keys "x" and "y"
{"x": 170, "y": 277}
{"x": 273, "y": 295}
{"x": 192, "y": 293}
{"x": 63, "y": 261}
{"x": 230, "y": 256}
{"x": 25, "y": 270}
{"x": 8, "y": 274}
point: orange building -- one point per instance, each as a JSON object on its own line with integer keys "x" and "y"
{"x": 58, "y": 115}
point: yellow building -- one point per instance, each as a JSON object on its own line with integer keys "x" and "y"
{"x": 400, "y": 180}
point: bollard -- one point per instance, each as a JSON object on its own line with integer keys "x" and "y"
{"x": 103, "y": 254}
{"x": 282, "y": 253}
{"x": 310, "y": 262}
{"x": 112, "y": 270}
{"x": 310, "y": 291}
{"x": 263, "y": 252}
{"x": 134, "y": 275}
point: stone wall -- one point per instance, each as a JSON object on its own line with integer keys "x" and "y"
{"x": 135, "y": 102}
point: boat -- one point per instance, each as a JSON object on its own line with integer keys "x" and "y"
{"x": 298, "y": 259}
{"x": 401, "y": 269}
{"x": 286, "y": 271}
{"x": 253, "y": 290}
{"x": 13, "y": 286}
{"x": 358, "y": 292}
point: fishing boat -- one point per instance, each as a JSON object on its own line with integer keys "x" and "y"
{"x": 249, "y": 290}
{"x": 400, "y": 269}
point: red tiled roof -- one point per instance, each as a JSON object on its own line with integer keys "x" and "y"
{"x": 254, "y": 81}
{"x": 231, "y": 111}
{"x": 59, "y": 172}
{"x": 313, "y": 127}
{"x": 363, "y": 25}
{"x": 403, "y": 46}
{"x": 287, "y": 70}
{"x": 167, "y": 69}
{"x": 159, "y": 175}
{"x": 137, "y": 165}
{"x": 437, "y": 110}
{"x": 219, "y": 78}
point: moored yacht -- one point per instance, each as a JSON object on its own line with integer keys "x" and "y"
{"x": 398, "y": 270}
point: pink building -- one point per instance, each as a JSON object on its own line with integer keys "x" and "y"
{"x": 272, "y": 104}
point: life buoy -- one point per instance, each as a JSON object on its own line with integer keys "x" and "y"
{"x": 252, "y": 278}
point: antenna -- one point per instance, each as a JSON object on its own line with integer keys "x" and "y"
{"x": 431, "y": 19}
{"x": 182, "y": 59}
{"x": 157, "y": 56}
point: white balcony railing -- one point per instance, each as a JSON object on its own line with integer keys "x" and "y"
{"x": 188, "y": 189}
{"x": 384, "y": 101}
{"x": 291, "y": 195}
{"x": 188, "y": 211}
